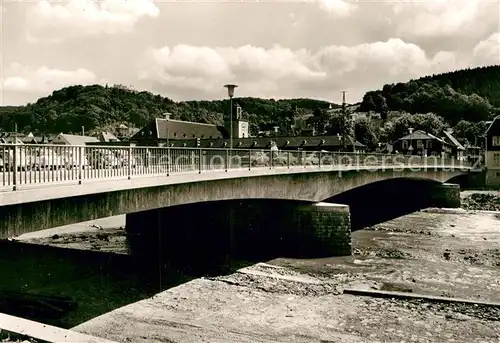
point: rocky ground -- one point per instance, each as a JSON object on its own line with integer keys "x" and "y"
{"x": 450, "y": 253}
{"x": 481, "y": 200}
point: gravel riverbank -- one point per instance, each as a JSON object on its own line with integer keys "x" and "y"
{"x": 448, "y": 252}
{"x": 454, "y": 254}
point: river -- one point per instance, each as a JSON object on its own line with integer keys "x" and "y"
{"x": 453, "y": 253}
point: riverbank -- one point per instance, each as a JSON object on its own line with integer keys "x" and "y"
{"x": 453, "y": 254}
{"x": 442, "y": 252}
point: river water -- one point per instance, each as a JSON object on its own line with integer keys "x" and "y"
{"x": 452, "y": 253}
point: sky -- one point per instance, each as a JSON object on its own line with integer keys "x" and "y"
{"x": 187, "y": 50}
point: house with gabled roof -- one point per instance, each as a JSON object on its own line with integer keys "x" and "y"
{"x": 161, "y": 130}
{"x": 457, "y": 150}
{"x": 422, "y": 143}
{"x": 107, "y": 137}
{"x": 67, "y": 139}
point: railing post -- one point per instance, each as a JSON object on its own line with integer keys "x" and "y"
{"x": 129, "y": 157}
{"x": 271, "y": 157}
{"x": 227, "y": 160}
{"x": 249, "y": 159}
{"x": 81, "y": 151}
{"x": 319, "y": 161}
{"x": 288, "y": 159}
{"x": 168, "y": 161}
{"x": 14, "y": 167}
{"x": 199, "y": 161}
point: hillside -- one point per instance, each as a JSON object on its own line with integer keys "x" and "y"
{"x": 100, "y": 107}
{"x": 469, "y": 94}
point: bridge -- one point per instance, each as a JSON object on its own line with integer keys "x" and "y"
{"x": 308, "y": 192}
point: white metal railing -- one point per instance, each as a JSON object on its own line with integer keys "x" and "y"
{"x": 24, "y": 164}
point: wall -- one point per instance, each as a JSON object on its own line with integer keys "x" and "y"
{"x": 446, "y": 195}
{"x": 493, "y": 170}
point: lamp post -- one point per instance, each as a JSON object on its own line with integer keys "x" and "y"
{"x": 167, "y": 118}
{"x": 230, "y": 93}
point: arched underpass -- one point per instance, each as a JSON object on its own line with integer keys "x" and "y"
{"x": 199, "y": 235}
{"x": 384, "y": 200}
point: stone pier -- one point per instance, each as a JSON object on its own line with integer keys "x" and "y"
{"x": 204, "y": 234}
{"x": 446, "y": 195}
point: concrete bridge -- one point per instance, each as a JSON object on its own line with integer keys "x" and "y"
{"x": 177, "y": 189}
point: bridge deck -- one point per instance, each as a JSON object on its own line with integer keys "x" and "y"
{"x": 63, "y": 189}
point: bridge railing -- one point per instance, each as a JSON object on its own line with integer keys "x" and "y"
{"x": 41, "y": 164}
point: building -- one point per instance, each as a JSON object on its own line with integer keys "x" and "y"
{"x": 422, "y": 143}
{"x": 65, "y": 139}
{"x": 180, "y": 134}
{"x": 160, "y": 130}
{"x": 241, "y": 127}
{"x": 32, "y": 139}
{"x": 474, "y": 154}
{"x": 492, "y": 154}
{"x": 457, "y": 150}
{"x": 107, "y": 137}
{"x": 11, "y": 138}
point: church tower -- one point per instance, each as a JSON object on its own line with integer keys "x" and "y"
{"x": 241, "y": 128}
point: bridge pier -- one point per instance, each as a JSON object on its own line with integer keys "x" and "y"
{"x": 324, "y": 229}
{"x": 204, "y": 235}
{"x": 446, "y": 195}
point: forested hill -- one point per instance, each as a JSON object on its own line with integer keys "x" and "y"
{"x": 100, "y": 107}
{"x": 469, "y": 94}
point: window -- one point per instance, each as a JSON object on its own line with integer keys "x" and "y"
{"x": 496, "y": 159}
{"x": 496, "y": 140}
{"x": 420, "y": 144}
{"x": 428, "y": 144}
{"x": 405, "y": 144}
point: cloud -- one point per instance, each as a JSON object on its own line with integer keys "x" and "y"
{"x": 487, "y": 52}
{"x": 43, "y": 80}
{"x": 338, "y": 8}
{"x": 55, "y": 22}
{"x": 191, "y": 72}
{"x": 444, "y": 18}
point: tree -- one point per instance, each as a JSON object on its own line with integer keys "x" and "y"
{"x": 428, "y": 122}
{"x": 468, "y": 131}
{"x": 320, "y": 120}
{"x": 365, "y": 134}
{"x": 341, "y": 125}
{"x": 471, "y": 94}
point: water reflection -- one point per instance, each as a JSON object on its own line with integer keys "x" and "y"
{"x": 99, "y": 282}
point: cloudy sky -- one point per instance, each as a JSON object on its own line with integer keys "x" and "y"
{"x": 274, "y": 49}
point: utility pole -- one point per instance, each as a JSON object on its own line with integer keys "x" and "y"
{"x": 343, "y": 103}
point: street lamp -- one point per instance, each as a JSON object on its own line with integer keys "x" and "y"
{"x": 230, "y": 93}
{"x": 167, "y": 118}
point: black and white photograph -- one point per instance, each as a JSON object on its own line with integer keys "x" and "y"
{"x": 249, "y": 171}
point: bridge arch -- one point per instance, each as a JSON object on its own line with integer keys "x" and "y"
{"x": 387, "y": 199}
